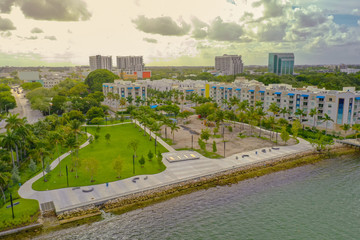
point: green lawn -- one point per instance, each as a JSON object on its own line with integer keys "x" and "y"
{"x": 106, "y": 153}
{"x": 25, "y": 213}
{"x": 108, "y": 122}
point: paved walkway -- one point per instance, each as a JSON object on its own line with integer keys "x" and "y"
{"x": 67, "y": 198}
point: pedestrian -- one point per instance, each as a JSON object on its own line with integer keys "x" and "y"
{"x": 256, "y": 152}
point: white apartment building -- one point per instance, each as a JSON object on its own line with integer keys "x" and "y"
{"x": 100, "y": 62}
{"x": 350, "y": 70}
{"x": 126, "y": 89}
{"x": 229, "y": 64}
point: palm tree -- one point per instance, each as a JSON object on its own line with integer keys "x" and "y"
{"x": 122, "y": 103}
{"x": 4, "y": 181}
{"x": 301, "y": 113}
{"x": 130, "y": 99}
{"x": 260, "y": 114}
{"x": 55, "y": 139}
{"x": 117, "y": 98}
{"x": 346, "y": 127}
{"x": 313, "y": 113}
{"x": 325, "y": 120}
{"x": 174, "y": 127}
{"x": 284, "y": 111}
{"x": 12, "y": 121}
{"x": 9, "y": 141}
{"x": 40, "y": 152}
{"x": 356, "y": 128}
{"x": 274, "y": 108}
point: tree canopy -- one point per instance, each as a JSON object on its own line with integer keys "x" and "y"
{"x": 96, "y": 78}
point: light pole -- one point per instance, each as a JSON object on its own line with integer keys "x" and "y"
{"x": 155, "y": 144}
{"x": 192, "y": 141}
{"x": 67, "y": 176}
{"x": 134, "y": 164}
{"x": 12, "y": 206}
{"x": 224, "y": 148}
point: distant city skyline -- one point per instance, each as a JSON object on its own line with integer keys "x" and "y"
{"x": 178, "y": 33}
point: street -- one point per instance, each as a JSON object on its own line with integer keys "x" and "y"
{"x": 23, "y": 109}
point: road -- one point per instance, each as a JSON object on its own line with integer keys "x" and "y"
{"x": 23, "y": 109}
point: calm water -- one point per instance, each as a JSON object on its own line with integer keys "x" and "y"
{"x": 320, "y": 201}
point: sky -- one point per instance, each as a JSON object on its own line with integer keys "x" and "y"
{"x": 178, "y": 32}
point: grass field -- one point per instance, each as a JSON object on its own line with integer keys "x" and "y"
{"x": 25, "y": 213}
{"x": 105, "y": 153}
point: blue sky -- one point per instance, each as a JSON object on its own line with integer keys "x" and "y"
{"x": 173, "y": 32}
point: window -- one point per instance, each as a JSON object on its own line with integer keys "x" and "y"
{"x": 330, "y": 99}
{"x": 305, "y": 104}
{"x": 329, "y": 111}
{"x": 329, "y": 105}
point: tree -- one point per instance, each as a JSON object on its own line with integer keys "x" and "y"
{"x": 55, "y": 138}
{"x": 95, "y": 112}
{"x": 96, "y": 78}
{"x": 205, "y": 134}
{"x": 97, "y": 121}
{"x": 32, "y": 166}
{"x": 15, "y": 176}
{"x": 142, "y": 161}
{"x": 284, "y": 134}
{"x": 91, "y": 167}
{"x": 107, "y": 137}
{"x": 313, "y": 113}
{"x": 75, "y": 114}
{"x": 9, "y": 141}
{"x": 4, "y": 181}
{"x": 133, "y": 144}
{"x": 174, "y": 127}
{"x": 356, "y": 128}
{"x": 118, "y": 166}
{"x": 295, "y": 128}
{"x": 301, "y": 113}
{"x": 346, "y": 127}
{"x": 274, "y": 108}
{"x": 159, "y": 157}
{"x": 129, "y": 99}
{"x": 202, "y": 144}
{"x": 214, "y": 147}
{"x": 325, "y": 120}
{"x": 150, "y": 155}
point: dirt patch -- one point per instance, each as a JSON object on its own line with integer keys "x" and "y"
{"x": 188, "y": 134}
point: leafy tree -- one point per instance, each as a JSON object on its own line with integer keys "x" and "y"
{"x": 95, "y": 112}
{"x": 107, "y": 137}
{"x": 79, "y": 89}
{"x": 205, "y": 110}
{"x": 118, "y": 166}
{"x": 205, "y": 134}
{"x": 91, "y": 167}
{"x": 295, "y": 128}
{"x": 133, "y": 144}
{"x": 75, "y": 114}
{"x": 97, "y": 136}
{"x": 214, "y": 147}
{"x": 96, "y": 79}
{"x": 356, "y": 128}
{"x": 58, "y": 104}
{"x": 7, "y": 101}
{"x": 97, "y": 95}
{"x": 150, "y": 155}
{"x": 142, "y": 161}
{"x": 30, "y": 86}
{"x": 4, "y": 88}
{"x": 202, "y": 144}
{"x": 284, "y": 134}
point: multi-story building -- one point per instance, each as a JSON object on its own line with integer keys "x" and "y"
{"x": 100, "y": 62}
{"x": 342, "y": 106}
{"x": 229, "y": 64}
{"x": 350, "y": 70}
{"x": 130, "y": 63}
{"x": 126, "y": 89}
{"x": 281, "y": 63}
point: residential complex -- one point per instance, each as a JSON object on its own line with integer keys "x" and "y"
{"x": 341, "y": 106}
{"x": 350, "y": 70}
{"x": 100, "y": 62}
{"x": 126, "y": 89}
{"x": 130, "y": 63}
{"x": 281, "y": 63}
{"x": 229, "y": 64}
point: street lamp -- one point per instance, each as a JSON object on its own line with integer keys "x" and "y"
{"x": 134, "y": 164}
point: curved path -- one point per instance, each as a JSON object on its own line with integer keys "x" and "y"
{"x": 68, "y": 198}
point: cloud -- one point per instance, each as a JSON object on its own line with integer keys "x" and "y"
{"x": 5, "y": 6}
{"x": 56, "y": 10}
{"x": 150, "y": 40}
{"x": 6, "y": 24}
{"x": 6, "y": 34}
{"x": 31, "y": 38}
{"x": 161, "y": 25}
{"x": 309, "y": 17}
{"x": 272, "y": 8}
{"x": 272, "y": 32}
{"x": 37, "y": 30}
{"x": 225, "y": 31}
{"x": 199, "y": 28}
{"x": 52, "y": 38}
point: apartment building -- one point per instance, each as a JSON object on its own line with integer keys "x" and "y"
{"x": 100, "y": 62}
{"x": 126, "y": 89}
{"x": 229, "y": 64}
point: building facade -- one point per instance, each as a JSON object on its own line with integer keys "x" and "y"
{"x": 281, "y": 63}
{"x": 130, "y": 63}
{"x": 100, "y": 62}
{"x": 229, "y": 64}
{"x": 126, "y": 89}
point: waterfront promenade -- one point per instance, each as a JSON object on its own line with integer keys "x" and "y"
{"x": 71, "y": 198}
